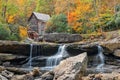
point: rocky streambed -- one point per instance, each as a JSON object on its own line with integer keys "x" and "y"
{"x": 72, "y": 68}
{"x": 14, "y": 57}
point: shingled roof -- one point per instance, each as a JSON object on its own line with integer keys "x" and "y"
{"x": 41, "y": 16}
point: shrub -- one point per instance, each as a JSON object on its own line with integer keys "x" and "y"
{"x": 117, "y": 21}
{"x": 114, "y": 23}
{"x": 58, "y": 23}
{"x": 4, "y": 32}
{"x": 117, "y": 8}
{"x": 14, "y": 37}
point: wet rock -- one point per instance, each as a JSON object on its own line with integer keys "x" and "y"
{"x": 71, "y": 68}
{"x": 7, "y": 74}
{"x": 3, "y": 78}
{"x": 47, "y": 76}
{"x": 62, "y": 37}
{"x": 6, "y": 64}
{"x": 36, "y": 72}
{"x": 76, "y": 48}
{"x": 47, "y": 49}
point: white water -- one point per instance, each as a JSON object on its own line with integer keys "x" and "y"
{"x": 30, "y": 58}
{"x": 101, "y": 58}
{"x": 54, "y": 60}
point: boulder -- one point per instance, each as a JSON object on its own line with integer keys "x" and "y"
{"x": 7, "y": 74}
{"x": 71, "y": 68}
{"x": 62, "y": 37}
{"x": 111, "y": 45}
{"x": 3, "y": 78}
{"x": 36, "y": 72}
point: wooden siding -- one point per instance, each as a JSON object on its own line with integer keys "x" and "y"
{"x": 33, "y": 22}
{"x": 41, "y": 26}
{"x": 37, "y": 25}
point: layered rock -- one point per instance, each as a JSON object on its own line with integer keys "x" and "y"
{"x": 112, "y": 47}
{"x": 103, "y": 76}
{"x": 19, "y": 48}
{"x": 71, "y": 68}
{"x": 8, "y": 57}
{"x": 62, "y": 37}
{"x": 76, "y": 48}
{"x": 17, "y": 53}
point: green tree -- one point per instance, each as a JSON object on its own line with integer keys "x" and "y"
{"x": 58, "y": 23}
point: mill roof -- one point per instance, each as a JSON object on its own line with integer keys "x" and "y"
{"x": 41, "y": 16}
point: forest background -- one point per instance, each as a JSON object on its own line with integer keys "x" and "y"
{"x": 67, "y": 16}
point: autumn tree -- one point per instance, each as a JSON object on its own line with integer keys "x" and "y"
{"x": 64, "y": 6}
{"x": 26, "y": 7}
{"x": 8, "y": 10}
{"x": 45, "y": 6}
{"x": 79, "y": 17}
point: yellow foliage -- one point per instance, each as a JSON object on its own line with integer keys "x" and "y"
{"x": 82, "y": 8}
{"x": 11, "y": 19}
{"x": 21, "y": 2}
{"x": 23, "y": 32}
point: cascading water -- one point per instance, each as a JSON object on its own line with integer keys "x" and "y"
{"x": 30, "y": 58}
{"x": 55, "y": 59}
{"x": 101, "y": 58}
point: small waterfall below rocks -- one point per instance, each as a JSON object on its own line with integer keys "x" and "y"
{"x": 54, "y": 60}
{"x": 100, "y": 58}
{"x": 30, "y": 58}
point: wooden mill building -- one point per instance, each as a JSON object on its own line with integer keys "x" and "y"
{"x": 37, "y": 23}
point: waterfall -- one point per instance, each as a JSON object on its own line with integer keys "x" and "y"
{"x": 101, "y": 58}
{"x": 54, "y": 60}
{"x": 30, "y": 58}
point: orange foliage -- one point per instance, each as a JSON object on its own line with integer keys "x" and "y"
{"x": 80, "y": 11}
{"x": 20, "y": 2}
